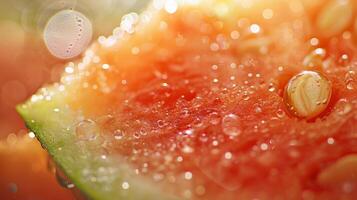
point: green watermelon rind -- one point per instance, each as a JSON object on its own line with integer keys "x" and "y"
{"x": 56, "y": 133}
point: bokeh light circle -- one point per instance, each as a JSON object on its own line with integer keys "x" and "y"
{"x": 67, "y": 34}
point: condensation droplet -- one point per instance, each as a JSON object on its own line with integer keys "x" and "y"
{"x": 118, "y": 134}
{"x": 343, "y": 107}
{"x": 63, "y": 180}
{"x": 350, "y": 79}
{"x": 67, "y": 34}
{"x": 330, "y": 140}
{"x": 228, "y": 155}
{"x": 214, "y": 118}
{"x": 87, "y": 130}
{"x": 231, "y": 125}
{"x": 188, "y": 175}
{"x": 280, "y": 113}
{"x": 187, "y": 149}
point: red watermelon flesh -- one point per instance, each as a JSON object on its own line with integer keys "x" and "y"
{"x": 193, "y": 101}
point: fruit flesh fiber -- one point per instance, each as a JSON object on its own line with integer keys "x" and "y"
{"x": 169, "y": 101}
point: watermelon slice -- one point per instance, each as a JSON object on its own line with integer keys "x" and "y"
{"x": 186, "y": 101}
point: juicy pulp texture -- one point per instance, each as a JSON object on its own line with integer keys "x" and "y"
{"x": 186, "y": 101}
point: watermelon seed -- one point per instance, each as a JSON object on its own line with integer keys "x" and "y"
{"x": 335, "y": 17}
{"x": 308, "y": 94}
{"x": 338, "y": 174}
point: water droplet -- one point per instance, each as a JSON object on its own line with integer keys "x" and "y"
{"x": 215, "y": 143}
{"x": 188, "y": 132}
{"x": 245, "y": 96}
{"x": 344, "y": 59}
{"x": 264, "y": 146}
{"x": 330, "y": 140}
{"x": 235, "y": 35}
{"x": 228, "y": 155}
{"x": 136, "y": 135}
{"x": 231, "y": 125}
{"x": 188, "y": 175}
{"x": 187, "y": 149}
{"x": 280, "y": 113}
{"x": 349, "y": 85}
{"x": 63, "y": 180}
{"x": 179, "y": 159}
{"x": 143, "y": 132}
{"x": 315, "y": 59}
{"x": 214, "y": 118}
{"x": 343, "y": 107}
{"x": 271, "y": 88}
{"x": 161, "y": 123}
{"x": 258, "y": 109}
{"x": 87, "y": 130}
{"x": 349, "y": 79}
{"x": 118, "y": 134}
{"x": 105, "y": 66}
{"x": 31, "y": 134}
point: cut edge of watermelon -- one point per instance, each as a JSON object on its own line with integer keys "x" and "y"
{"x": 55, "y": 131}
